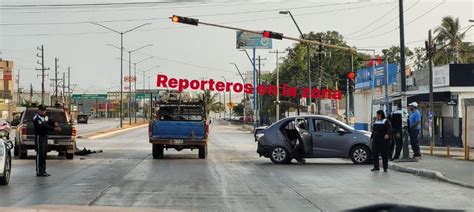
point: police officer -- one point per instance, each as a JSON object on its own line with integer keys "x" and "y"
{"x": 396, "y": 146}
{"x": 381, "y": 131}
{"x": 42, "y": 127}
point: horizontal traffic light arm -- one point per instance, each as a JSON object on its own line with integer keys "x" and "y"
{"x": 283, "y": 36}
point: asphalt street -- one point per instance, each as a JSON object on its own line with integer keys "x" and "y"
{"x": 233, "y": 177}
{"x": 94, "y": 125}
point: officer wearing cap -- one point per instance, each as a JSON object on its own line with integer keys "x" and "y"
{"x": 415, "y": 127}
{"x": 42, "y": 127}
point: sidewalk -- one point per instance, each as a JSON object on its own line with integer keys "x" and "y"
{"x": 459, "y": 172}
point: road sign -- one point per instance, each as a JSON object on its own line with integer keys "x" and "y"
{"x": 247, "y": 40}
{"x": 130, "y": 78}
{"x": 142, "y": 96}
{"x": 230, "y": 105}
{"x": 89, "y": 96}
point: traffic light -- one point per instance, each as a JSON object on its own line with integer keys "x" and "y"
{"x": 274, "y": 35}
{"x": 184, "y": 20}
{"x": 342, "y": 83}
{"x": 351, "y": 77}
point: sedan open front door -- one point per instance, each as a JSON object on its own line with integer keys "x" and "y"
{"x": 302, "y": 126}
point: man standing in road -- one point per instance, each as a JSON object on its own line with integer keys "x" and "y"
{"x": 415, "y": 126}
{"x": 42, "y": 128}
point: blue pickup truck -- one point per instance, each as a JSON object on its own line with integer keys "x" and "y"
{"x": 179, "y": 125}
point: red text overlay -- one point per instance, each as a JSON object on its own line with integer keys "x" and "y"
{"x": 163, "y": 81}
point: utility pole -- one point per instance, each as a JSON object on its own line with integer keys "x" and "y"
{"x": 19, "y": 90}
{"x": 135, "y": 92}
{"x": 31, "y": 93}
{"x": 277, "y": 70}
{"x": 69, "y": 88}
{"x": 430, "y": 51}
{"x": 56, "y": 67}
{"x": 259, "y": 81}
{"x": 320, "y": 69}
{"x": 42, "y": 69}
{"x": 64, "y": 89}
{"x": 405, "y": 156}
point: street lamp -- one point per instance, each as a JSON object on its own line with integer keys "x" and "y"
{"x": 224, "y": 97}
{"x": 129, "y": 74}
{"x": 121, "y": 61}
{"x": 245, "y": 96}
{"x": 143, "y": 74}
{"x": 308, "y": 49}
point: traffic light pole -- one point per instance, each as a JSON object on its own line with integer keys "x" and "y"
{"x": 284, "y": 37}
{"x": 254, "y": 90}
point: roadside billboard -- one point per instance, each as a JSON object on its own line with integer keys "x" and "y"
{"x": 363, "y": 78}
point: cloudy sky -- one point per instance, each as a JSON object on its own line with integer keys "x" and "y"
{"x": 194, "y": 52}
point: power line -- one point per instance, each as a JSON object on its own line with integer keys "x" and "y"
{"x": 166, "y": 18}
{"x": 376, "y": 20}
{"x": 396, "y": 28}
{"x": 185, "y": 63}
{"x": 231, "y": 22}
{"x": 148, "y": 8}
{"x": 385, "y": 23}
{"x": 14, "y": 6}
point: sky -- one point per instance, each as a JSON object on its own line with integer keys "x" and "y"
{"x": 185, "y": 51}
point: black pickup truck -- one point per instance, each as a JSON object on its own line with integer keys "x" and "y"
{"x": 64, "y": 141}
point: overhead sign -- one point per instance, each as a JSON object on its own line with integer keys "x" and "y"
{"x": 142, "y": 96}
{"x": 364, "y": 76}
{"x": 130, "y": 78}
{"x": 89, "y": 96}
{"x": 246, "y": 40}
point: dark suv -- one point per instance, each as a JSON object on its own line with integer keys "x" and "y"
{"x": 64, "y": 141}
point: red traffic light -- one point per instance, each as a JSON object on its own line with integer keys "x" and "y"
{"x": 274, "y": 35}
{"x": 351, "y": 75}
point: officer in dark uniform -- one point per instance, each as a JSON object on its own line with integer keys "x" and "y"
{"x": 381, "y": 131}
{"x": 42, "y": 127}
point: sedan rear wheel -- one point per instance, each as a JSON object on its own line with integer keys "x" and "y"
{"x": 7, "y": 170}
{"x": 360, "y": 155}
{"x": 280, "y": 155}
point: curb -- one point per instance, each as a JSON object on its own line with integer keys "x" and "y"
{"x": 102, "y": 135}
{"x": 429, "y": 174}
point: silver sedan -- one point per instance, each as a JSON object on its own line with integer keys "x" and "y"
{"x": 319, "y": 136}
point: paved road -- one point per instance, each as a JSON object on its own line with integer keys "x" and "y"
{"x": 96, "y": 125}
{"x": 232, "y": 178}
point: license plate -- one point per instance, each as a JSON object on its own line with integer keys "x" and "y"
{"x": 51, "y": 142}
{"x": 177, "y": 141}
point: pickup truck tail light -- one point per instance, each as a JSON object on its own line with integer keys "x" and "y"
{"x": 206, "y": 129}
{"x": 150, "y": 129}
{"x": 74, "y": 131}
{"x": 23, "y": 131}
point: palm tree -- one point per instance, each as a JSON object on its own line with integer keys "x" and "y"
{"x": 211, "y": 104}
{"x": 450, "y": 45}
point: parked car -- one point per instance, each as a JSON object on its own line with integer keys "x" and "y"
{"x": 64, "y": 141}
{"x": 322, "y": 137}
{"x": 82, "y": 118}
{"x": 5, "y": 157}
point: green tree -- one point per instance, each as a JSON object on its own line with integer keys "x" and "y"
{"x": 420, "y": 58}
{"x": 450, "y": 46}
{"x": 392, "y": 54}
{"x": 239, "y": 109}
{"x": 211, "y": 103}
